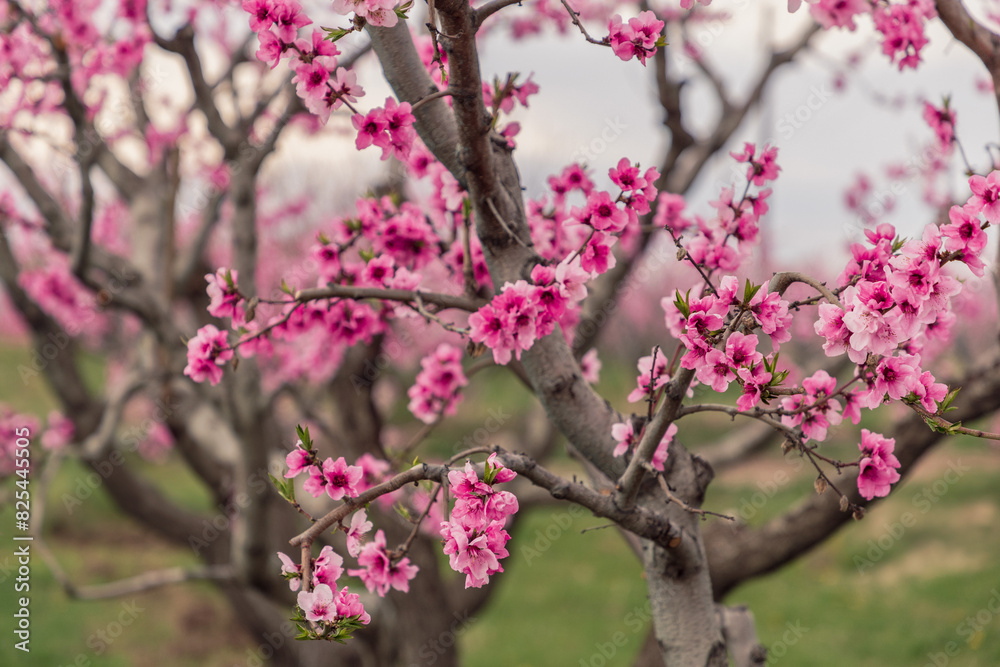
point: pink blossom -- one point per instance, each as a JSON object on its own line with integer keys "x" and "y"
{"x": 508, "y": 323}
{"x": 838, "y": 13}
{"x": 650, "y": 377}
{"x": 902, "y": 28}
{"x": 985, "y": 197}
{"x": 637, "y": 38}
{"x": 471, "y": 553}
{"x": 349, "y": 606}
{"x": 318, "y": 604}
{"x": 624, "y": 435}
{"x": 298, "y": 461}
{"x": 207, "y": 352}
{"x": 963, "y": 233}
{"x": 942, "y": 121}
{"x": 590, "y": 366}
{"x": 601, "y": 213}
{"x": 741, "y": 350}
{"x": 291, "y": 571}
{"x": 597, "y": 256}
{"x": 360, "y": 525}
{"x": 754, "y": 380}
{"x": 379, "y": 573}
{"x": 225, "y": 295}
{"x": 328, "y": 567}
{"x": 288, "y": 18}
{"x": 437, "y": 388}
{"x": 716, "y": 371}
{"x": 895, "y": 377}
{"x": 270, "y": 48}
{"x": 336, "y": 478}
{"x": 310, "y": 80}
{"x": 668, "y": 213}
{"x": 261, "y": 13}
{"x": 929, "y": 392}
{"x": 371, "y": 129}
{"x": 878, "y": 466}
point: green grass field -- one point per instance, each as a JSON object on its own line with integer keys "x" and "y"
{"x": 915, "y": 583}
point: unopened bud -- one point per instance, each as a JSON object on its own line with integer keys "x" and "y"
{"x": 844, "y": 503}
{"x": 820, "y": 485}
{"x": 251, "y": 309}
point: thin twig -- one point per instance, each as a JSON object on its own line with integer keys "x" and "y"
{"x": 430, "y": 98}
{"x": 672, "y": 497}
{"x": 575, "y": 16}
{"x": 503, "y": 223}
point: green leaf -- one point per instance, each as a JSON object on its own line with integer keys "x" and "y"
{"x": 334, "y": 34}
{"x": 490, "y": 473}
{"x": 749, "y": 291}
{"x": 681, "y": 303}
{"x": 946, "y": 403}
{"x": 303, "y": 433}
{"x": 367, "y": 255}
{"x": 402, "y": 510}
{"x": 285, "y": 487}
{"x": 661, "y": 42}
{"x": 286, "y": 289}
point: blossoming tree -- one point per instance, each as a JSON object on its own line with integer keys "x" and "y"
{"x": 227, "y": 338}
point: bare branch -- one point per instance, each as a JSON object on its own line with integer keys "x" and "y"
{"x": 138, "y": 584}
{"x": 490, "y": 8}
{"x": 443, "y": 301}
{"x": 782, "y": 281}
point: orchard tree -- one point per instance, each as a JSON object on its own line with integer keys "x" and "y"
{"x": 140, "y": 222}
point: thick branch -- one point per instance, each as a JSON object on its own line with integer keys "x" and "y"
{"x": 739, "y": 553}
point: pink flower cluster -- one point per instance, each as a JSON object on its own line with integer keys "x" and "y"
{"x": 322, "y": 85}
{"x": 838, "y": 13}
{"x": 761, "y": 168}
{"x": 207, "y": 353}
{"x": 335, "y": 478}
{"x": 326, "y": 569}
{"x": 627, "y": 439}
{"x": 524, "y": 312}
{"x": 379, "y": 571}
{"x": 475, "y": 540}
{"x": 389, "y": 128}
{"x": 699, "y": 327}
{"x": 902, "y": 28}
{"x": 226, "y": 300}
{"x": 437, "y": 388}
{"x": 337, "y": 611}
{"x": 901, "y": 24}
{"x": 708, "y": 244}
{"x": 878, "y": 466}
{"x": 942, "y": 121}
{"x": 652, "y": 376}
{"x": 636, "y": 39}
{"x": 814, "y": 412}
{"x": 376, "y": 12}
